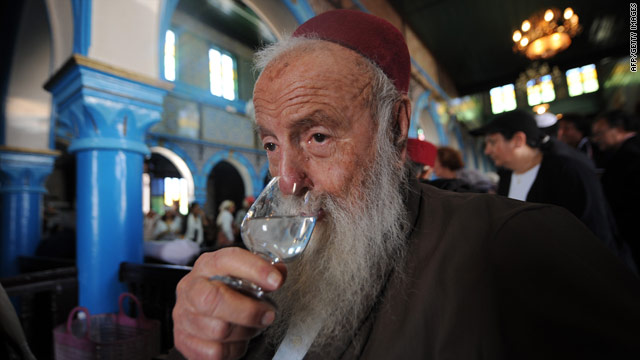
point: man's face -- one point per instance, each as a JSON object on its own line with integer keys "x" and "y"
{"x": 314, "y": 121}
{"x": 568, "y": 133}
{"x": 499, "y": 149}
{"x": 603, "y": 135}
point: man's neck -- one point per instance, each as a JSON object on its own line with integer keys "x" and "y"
{"x": 528, "y": 161}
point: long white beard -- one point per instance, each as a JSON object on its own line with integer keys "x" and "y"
{"x": 349, "y": 257}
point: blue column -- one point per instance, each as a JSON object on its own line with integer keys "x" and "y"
{"x": 22, "y": 176}
{"x": 110, "y": 112}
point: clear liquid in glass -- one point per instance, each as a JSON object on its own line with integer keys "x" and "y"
{"x": 280, "y": 238}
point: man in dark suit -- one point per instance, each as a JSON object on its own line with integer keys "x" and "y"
{"x": 395, "y": 269}
{"x": 617, "y": 133}
{"x": 535, "y": 167}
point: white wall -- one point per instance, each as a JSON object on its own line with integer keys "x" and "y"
{"x": 124, "y": 33}
{"x": 61, "y": 23}
{"x": 28, "y": 105}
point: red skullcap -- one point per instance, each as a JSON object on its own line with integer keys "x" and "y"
{"x": 372, "y": 37}
{"x": 422, "y": 152}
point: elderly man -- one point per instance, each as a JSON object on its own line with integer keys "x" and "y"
{"x": 395, "y": 269}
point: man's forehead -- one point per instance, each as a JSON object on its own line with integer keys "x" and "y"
{"x": 494, "y": 136}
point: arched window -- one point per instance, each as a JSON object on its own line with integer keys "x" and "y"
{"x": 503, "y": 98}
{"x": 582, "y": 80}
{"x": 170, "y": 56}
{"x": 540, "y": 90}
{"x": 222, "y": 74}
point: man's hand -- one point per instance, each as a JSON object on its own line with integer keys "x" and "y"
{"x": 213, "y": 321}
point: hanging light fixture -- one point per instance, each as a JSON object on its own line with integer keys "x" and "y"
{"x": 546, "y": 33}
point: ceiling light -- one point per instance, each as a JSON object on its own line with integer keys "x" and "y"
{"x": 546, "y": 33}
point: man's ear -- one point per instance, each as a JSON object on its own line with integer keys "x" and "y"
{"x": 401, "y": 124}
{"x": 519, "y": 139}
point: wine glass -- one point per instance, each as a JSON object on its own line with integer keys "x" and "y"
{"x": 274, "y": 230}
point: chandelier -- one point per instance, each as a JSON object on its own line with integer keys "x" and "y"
{"x": 546, "y": 33}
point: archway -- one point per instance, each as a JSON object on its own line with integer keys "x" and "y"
{"x": 224, "y": 183}
{"x": 166, "y": 164}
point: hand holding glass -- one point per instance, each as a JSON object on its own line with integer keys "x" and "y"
{"x": 274, "y": 231}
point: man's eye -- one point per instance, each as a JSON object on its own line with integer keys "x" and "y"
{"x": 270, "y": 146}
{"x": 319, "y": 137}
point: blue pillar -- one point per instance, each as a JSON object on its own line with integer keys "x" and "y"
{"x": 22, "y": 176}
{"x": 110, "y": 111}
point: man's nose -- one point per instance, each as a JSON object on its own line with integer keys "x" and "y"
{"x": 293, "y": 179}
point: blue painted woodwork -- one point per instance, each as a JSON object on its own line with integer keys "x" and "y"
{"x": 300, "y": 9}
{"x": 22, "y": 177}
{"x": 190, "y": 92}
{"x": 109, "y": 114}
{"x": 81, "y": 26}
{"x": 424, "y": 102}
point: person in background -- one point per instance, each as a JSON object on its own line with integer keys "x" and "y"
{"x": 168, "y": 228}
{"x": 537, "y": 168}
{"x": 395, "y": 269}
{"x": 224, "y": 221}
{"x": 617, "y": 132}
{"x": 196, "y": 221}
{"x": 150, "y": 222}
{"x": 575, "y": 130}
{"x": 547, "y": 123}
{"x": 449, "y": 166}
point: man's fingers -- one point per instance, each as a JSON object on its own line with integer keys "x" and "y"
{"x": 220, "y": 301}
{"x": 213, "y": 328}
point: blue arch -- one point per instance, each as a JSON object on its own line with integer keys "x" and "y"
{"x": 256, "y": 182}
{"x": 454, "y": 126}
{"x": 180, "y": 152}
{"x": 425, "y": 103}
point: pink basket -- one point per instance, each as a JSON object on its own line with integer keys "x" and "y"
{"x": 107, "y": 336}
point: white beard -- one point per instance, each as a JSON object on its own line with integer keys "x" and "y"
{"x": 349, "y": 257}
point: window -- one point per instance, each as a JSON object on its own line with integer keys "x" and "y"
{"x": 582, "y": 80}
{"x": 175, "y": 189}
{"x": 170, "y": 56}
{"x": 222, "y": 75}
{"x": 540, "y": 90}
{"x": 503, "y": 98}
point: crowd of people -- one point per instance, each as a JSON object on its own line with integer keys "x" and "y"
{"x": 397, "y": 268}
{"x": 177, "y": 239}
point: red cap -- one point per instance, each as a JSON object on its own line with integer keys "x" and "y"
{"x": 372, "y": 37}
{"x": 422, "y": 152}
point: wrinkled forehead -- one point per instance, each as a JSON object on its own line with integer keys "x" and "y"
{"x": 320, "y": 65}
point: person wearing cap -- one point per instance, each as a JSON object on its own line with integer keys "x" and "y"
{"x": 547, "y": 123}
{"x": 536, "y": 168}
{"x": 617, "y": 132}
{"x": 395, "y": 269}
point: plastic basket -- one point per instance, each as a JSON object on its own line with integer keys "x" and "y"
{"x": 107, "y": 336}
